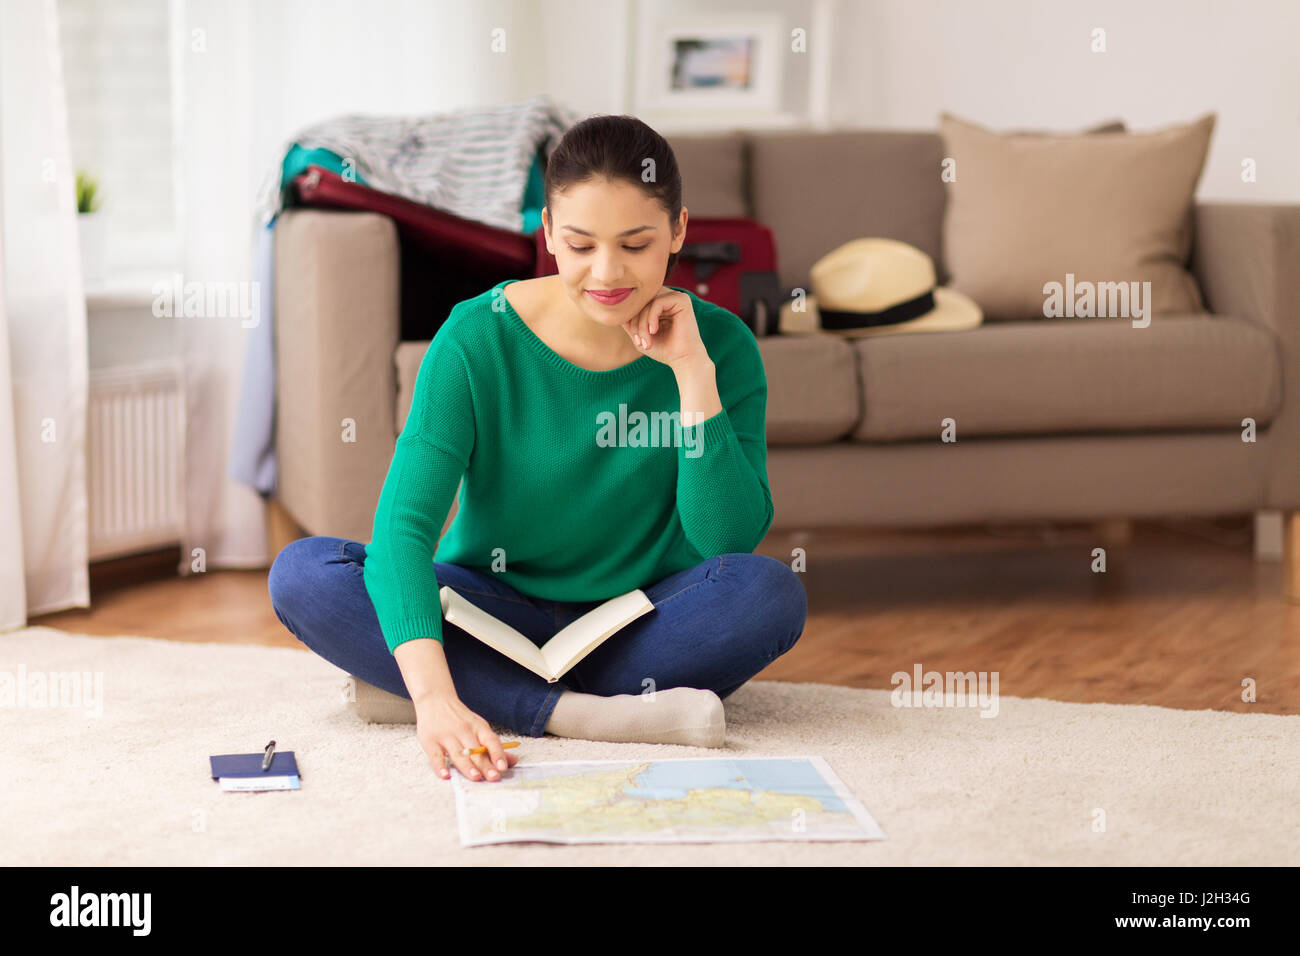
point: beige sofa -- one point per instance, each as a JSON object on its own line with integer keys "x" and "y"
{"x": 1062, "y": 420}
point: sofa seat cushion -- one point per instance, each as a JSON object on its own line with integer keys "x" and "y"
{"x": 812, "y": 388}
{"x": 1069, "y": 375}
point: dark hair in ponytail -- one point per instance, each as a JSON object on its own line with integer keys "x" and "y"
{"x": 616, "y": 148}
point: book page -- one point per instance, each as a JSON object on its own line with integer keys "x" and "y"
{"x": 495, "y": 633}
{"x": 574, "y": 642}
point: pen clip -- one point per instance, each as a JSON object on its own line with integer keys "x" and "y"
{"x": 268, "y": 753}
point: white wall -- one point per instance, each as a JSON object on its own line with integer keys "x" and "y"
{"x": 1027, "y": 63}
{"x": 318, "y": 59}
{"x": 583, "y": 47}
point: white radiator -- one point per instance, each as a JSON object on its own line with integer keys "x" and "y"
{"x": 135, "y": 457}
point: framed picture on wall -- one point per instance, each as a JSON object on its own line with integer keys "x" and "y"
{"x": 719, "y": 63}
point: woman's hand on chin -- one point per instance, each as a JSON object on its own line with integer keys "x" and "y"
{"x": 666, "y": 329}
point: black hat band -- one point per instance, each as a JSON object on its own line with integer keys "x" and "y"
{"x": 911, "y": 309}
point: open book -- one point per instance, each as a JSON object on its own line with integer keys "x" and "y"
{"x": 570, "y": 645}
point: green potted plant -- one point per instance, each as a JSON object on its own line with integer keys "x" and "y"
{"x": 90, "y": 226}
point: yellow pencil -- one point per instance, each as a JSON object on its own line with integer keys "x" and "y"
{"x": 482, "y": 749}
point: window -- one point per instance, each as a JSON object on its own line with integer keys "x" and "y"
{"x": 117, "y": 66}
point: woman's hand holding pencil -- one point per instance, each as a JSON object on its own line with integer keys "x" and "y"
{"x": 448, "y": 730}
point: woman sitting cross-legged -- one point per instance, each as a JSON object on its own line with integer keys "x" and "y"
{"x": 537, "y": 394}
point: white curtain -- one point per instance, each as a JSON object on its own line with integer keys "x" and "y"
{"x": 219, "y": 176}
{"x": 43, "y": 360}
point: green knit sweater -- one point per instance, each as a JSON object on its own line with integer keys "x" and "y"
{"x": 578, "y": 485}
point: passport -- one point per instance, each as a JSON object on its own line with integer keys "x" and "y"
{"x": 243, "y": 772}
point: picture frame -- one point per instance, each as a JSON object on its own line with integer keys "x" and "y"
{"x": 694, "y": 64}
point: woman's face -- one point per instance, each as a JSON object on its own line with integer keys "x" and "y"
{"x": 610, "y": 237}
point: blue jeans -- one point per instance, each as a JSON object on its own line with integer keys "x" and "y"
{"x": 714, "y": 626}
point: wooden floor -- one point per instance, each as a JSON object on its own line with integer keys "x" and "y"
{"x": 1181, "y": 617}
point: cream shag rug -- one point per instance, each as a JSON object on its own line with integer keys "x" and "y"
{"x": 948, "y": 786}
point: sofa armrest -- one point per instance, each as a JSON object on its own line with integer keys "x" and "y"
{"x": 1246, "y": 258}
{"x": 337, "y": 326}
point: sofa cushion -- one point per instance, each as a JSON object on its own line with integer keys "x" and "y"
{"x": 1024, "y": 211}
{"x": 407, "y": 357}
{"x": 713, "y": 173}
{"x": 1069, "y": 375}
{"x": 818, "y": 192}
{"x": 812, "y": 388}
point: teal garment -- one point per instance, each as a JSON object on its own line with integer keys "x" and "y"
{"x": 534, "y": 198}
{"x": 298, "y": 159}
{"x": 578, "y": 485}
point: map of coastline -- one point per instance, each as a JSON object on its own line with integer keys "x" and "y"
{"x": 692, "y": 800}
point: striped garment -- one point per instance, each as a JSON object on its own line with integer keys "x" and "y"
{"x": 472, "y": 162}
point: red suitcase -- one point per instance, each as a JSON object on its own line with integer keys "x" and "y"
{"x": 729, "y": 262}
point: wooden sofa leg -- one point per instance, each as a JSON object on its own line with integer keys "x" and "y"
{"x": 1291, "y": 556}
{"x": 1114, "y": 532}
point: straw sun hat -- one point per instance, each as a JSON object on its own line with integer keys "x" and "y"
{"x": 877, "y": 287}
